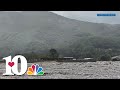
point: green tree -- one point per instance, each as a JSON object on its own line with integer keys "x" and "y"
{"x": 53, "y": 53}
{"x": 105, "y": 57}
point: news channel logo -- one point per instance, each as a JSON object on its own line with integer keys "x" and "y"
{"x": 106, "y": 14}
{"x": 12, "y": 67}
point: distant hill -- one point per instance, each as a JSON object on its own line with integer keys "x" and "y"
{"x": 23, "y": 32}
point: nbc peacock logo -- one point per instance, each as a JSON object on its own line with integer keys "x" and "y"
{"x": 35, "y": 69}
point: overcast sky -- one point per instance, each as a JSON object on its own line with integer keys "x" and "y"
{"x": 91, "y": 16}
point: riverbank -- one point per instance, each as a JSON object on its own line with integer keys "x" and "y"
{"x": 73, "y": 70}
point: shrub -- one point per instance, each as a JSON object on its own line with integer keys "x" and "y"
{"x": 105, "y": 57}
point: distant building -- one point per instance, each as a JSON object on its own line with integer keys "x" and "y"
{"x": 88, "y": 58}
{"x": 116, "y": 58}
{"x": 74, "y": 59}
{"x": 68, "y": 58}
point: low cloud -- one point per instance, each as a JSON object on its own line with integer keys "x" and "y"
{"x": 91, "y": 16}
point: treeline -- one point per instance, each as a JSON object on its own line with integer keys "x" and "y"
{"x": 51, "y": 55}
{"x": 98, "y": 48}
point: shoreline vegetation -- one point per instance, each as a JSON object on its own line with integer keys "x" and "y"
{"x": 53, "y": 55}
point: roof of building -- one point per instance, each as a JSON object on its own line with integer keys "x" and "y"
{"x": 68, "y": 57}
{"x": 116, "y": 57}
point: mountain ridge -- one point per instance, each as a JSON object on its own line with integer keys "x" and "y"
{"x": 23, "y": 32}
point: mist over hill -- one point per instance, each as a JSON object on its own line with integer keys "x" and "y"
{"x": 32, "y": 31}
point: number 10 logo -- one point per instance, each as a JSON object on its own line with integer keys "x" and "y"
{"x": 12, "y": 65}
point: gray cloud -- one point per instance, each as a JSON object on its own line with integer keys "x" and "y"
{"x": 91, "y": 16}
